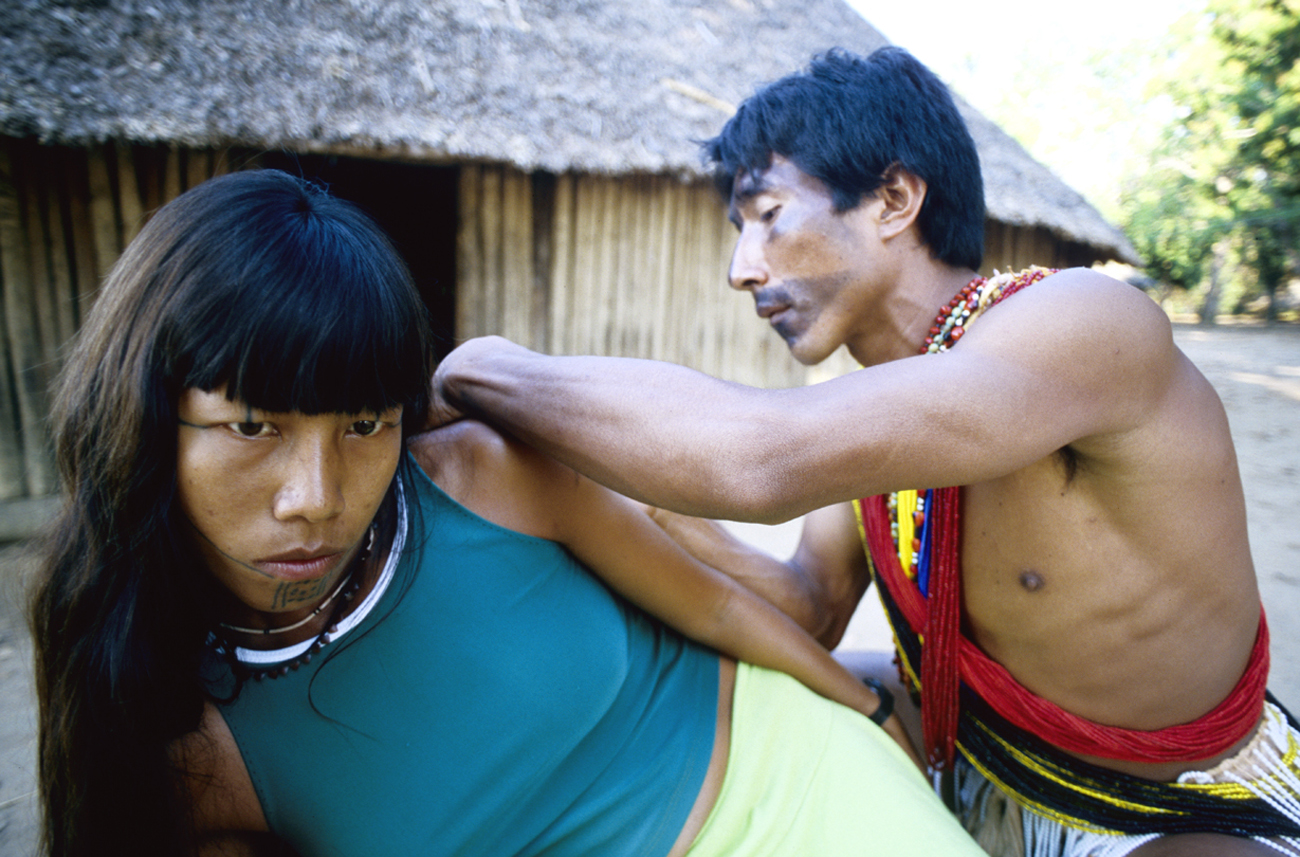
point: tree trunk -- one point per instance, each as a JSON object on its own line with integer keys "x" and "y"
{"x": 1210, "y": 309}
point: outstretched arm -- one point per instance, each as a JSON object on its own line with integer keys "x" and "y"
{"x": 1075, "y": 357}
{"x": 638, "y": 426}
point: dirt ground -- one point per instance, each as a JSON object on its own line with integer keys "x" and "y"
{"x": 1256, "y": 371}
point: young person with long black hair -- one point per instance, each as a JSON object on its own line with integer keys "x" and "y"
{"x": 274, "y": 619}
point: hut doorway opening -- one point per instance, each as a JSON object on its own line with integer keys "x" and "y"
{"x": 415, "y": 204}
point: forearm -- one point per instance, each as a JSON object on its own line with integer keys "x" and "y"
{"x": 754, "y": 633}
{"x": 819, "y": 586}
{"x": 784, "y": 584}
{"x": 757, "y": 634}
{"x": 661, "y": 433}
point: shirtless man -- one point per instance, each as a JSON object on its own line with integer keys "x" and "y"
{"x": 1099, "y": 538}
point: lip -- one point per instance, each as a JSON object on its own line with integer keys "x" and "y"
{"x": 775, "y": 316}
{"x": 771, "y": 311}
{"x": 301, "y": 564}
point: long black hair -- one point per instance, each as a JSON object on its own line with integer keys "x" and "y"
{"x": 847, "y": 120}
{"x": 295, "y": 301}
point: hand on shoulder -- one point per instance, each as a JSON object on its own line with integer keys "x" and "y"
{"x": 446, "y": 399}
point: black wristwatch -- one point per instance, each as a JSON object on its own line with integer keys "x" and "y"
{"x": 881, "y": 714}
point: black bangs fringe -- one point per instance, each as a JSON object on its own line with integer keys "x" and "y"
{"x": 348, "y": 358}
{"x": 322, "y": 320}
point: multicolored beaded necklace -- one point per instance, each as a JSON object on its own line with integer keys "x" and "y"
{"x": 969, "y": 304}
{"x": 907, "y": 508}
{"x": 925, "y": 527}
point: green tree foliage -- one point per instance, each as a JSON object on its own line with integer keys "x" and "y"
{"x": 1220, "y": 198}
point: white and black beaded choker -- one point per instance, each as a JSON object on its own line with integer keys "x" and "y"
{"x": 273, "y": 663}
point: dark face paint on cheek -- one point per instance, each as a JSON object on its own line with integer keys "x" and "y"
{"x": 808, "y": 299}
{"x": 806, "y": 263}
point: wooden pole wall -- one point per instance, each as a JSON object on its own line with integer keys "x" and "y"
{"x": 65, "y": 215}
{"x": 1013, "y": 248}
{"x": 14, "y": 279}
{"x": 567, "y": 264}
{"x": 628, "y": 266}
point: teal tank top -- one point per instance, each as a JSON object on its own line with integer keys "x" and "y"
{"x": 497, "y": 700}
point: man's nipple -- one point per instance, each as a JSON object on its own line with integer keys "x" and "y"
{"x": 1032, "y": 581}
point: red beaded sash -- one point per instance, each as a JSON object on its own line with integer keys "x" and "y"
{"x": 948, "y": 658}
{"x": 1207, "y": 736}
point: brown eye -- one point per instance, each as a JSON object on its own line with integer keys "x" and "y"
{"x": 248, "y": 429}
{"x": 366, "y": 428}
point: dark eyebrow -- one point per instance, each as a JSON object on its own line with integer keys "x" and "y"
{"x": 743, "y": 190}
{"x": 748, "y": 186}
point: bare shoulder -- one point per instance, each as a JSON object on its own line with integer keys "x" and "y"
{"x": 1079, "y": 305}
{"x": 1088, "y": 339}
{"x": 469, "y": 449}
{"x": 221, "y": 792}
{"x": 493, "y": 475}
{"x": 443, "y": 453}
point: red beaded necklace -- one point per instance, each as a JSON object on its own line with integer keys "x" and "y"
{"x": 937, "y": 524}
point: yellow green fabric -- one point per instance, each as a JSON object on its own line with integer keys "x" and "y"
{"x": 809, "y": 776}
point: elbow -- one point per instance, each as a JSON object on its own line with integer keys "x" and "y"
{"x": 753, "y": 458}
{"x": 757, "y": 504}
{"x": 714, "y": 622}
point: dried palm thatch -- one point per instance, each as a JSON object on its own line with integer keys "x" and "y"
{"x": 590, "y": 86}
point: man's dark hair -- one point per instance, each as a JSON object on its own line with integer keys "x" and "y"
{"x": 847, "y": 120}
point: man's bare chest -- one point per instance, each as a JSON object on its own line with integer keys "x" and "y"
{"x": 1082, "y": 588}
{"x": 1049, "y": 548}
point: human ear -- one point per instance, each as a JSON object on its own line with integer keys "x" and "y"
{"x": 902, "y": 194}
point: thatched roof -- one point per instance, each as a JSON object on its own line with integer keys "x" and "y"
{"x": 605, "y": 86}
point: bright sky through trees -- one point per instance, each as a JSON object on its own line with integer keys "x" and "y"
{"x": 1033, "y": 67}
{"x": 941, "y": 32}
